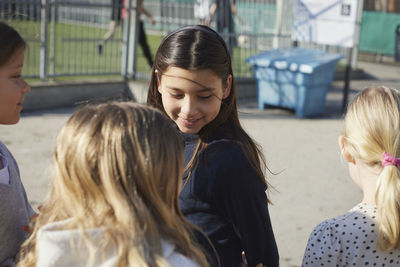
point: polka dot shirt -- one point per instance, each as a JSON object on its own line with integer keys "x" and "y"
{"x": 349, "y": 240}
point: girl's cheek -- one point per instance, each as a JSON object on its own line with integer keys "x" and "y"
{"x": 172, "y": 101}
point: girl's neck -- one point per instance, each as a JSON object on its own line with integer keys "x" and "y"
{"x": 369, "y": 194}
{"x": 368, "y": 180}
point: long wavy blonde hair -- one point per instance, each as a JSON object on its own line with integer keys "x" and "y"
{"x": 118, "y": 166}
{"x": 372, "y": 127}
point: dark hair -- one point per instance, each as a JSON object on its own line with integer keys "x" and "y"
{"x": 197, "y": 48}
{"x": 10, "y": 42}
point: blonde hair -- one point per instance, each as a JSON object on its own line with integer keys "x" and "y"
{"x": 118, "y": 166}
{"x": 371, "y": 128}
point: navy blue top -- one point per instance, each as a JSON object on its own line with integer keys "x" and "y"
{"x": 226, "y": 198}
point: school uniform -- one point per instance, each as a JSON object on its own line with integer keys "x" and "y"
{"x": 226, "y": 198}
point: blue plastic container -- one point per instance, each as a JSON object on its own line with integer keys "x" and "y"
{"x": 294, "y": 78}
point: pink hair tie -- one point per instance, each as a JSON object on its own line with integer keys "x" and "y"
{"x": 388, "y": 160}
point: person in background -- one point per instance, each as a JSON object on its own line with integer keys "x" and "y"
{"x": 201, "y": 11}
{"x": 224, "y": 10}
{"x": 118, "y": 13}
{"x": 116, "y": 9}
{"x": 142, "y": 34}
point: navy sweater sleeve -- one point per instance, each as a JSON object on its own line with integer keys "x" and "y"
{"x": 239, "y": 195}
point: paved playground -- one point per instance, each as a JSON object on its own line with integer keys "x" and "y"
{"x": 311, "y": 182}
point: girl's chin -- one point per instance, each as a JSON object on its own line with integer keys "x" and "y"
{"x": 188, "y": 130}
{"x": 190, "y": 127}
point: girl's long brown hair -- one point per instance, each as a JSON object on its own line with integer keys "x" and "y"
{"x": 198, "y": 48}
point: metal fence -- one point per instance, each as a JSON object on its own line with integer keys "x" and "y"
{"x": 64, "y": 35}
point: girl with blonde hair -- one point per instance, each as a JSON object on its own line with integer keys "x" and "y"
{"x": 367, "y": 235}
{"x": 114, "y": 194}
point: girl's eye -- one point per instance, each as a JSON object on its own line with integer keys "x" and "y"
{"x": 176, "y": 95}
{"x": 17, "y": 76}
{"x": 205, "y": 96}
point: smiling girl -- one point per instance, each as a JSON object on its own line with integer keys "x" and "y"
{"x": 223, "y": 184}
{"x": 14, "y": 207}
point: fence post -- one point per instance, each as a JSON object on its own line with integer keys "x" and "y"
{"x": 278, "y": 24}
{"x": 125, "y": 41}
{"x": 354, "y": 58}
{"x": 130, "y": 39}
{"x": 347, "y": 78}
{"x": 385, "y": 6}
{"x": 52, "y": 37}
{"x": 43, "y": 39}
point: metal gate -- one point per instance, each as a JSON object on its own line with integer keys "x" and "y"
{"x": 64, "y": 35}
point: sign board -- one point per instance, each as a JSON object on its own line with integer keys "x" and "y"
{"x": 330, "y": 22}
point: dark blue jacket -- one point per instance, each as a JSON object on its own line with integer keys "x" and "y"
{"x": 226, "y": 198}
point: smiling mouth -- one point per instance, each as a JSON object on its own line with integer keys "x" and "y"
{"x": 189, "y": 123}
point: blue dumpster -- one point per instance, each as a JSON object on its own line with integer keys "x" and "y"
{"x": 294, "y": 78}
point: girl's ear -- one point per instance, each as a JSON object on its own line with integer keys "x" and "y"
{"x": 228, "y": 86}
{"x": 345, "y": 153}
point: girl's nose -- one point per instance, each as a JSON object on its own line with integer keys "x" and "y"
{"x": 25, "y": 87}
{"x": 189, "y": 107}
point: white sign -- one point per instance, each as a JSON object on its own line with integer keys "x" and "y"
{"x": 330, "y": 22}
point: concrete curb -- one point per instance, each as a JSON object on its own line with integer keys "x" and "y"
{"x": 57, "y": 95}
{"x": 357, "y": 74}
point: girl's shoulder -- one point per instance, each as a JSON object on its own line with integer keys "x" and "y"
{"x": 223, "y": 140}
{"x": 3, "y": 149}
{"x": 227, "y": 162}
{"x": 343, "y": 237}
{"x": 54, "y": 246}
{"x": 7, "y": 153}
{"x": 226, "y": 152}
{"x": 226, "y": 143}
{"x": 59, "y": 245}
{"x": 349, "y": 223}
